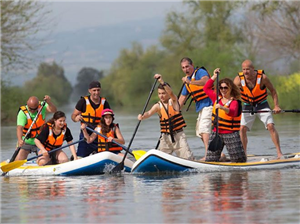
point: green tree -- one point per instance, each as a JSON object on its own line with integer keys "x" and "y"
{"x": 50, "y": 80}
{"x": 84, "y": 78}
{"x": 20, "y": 23}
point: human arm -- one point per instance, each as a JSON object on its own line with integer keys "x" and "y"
{"x": 79, "y": 108}
{"x": 119, "y": 138}
{"x": 51, "y": 108}
{"x": 20, "y": 134}
{"x": 149, "y": 113}
{"x": 89, "y": 138}
{"x": 73, "y": 150}
{"x": 237, "y": 81}
{"x": 232, "y": 110}
{"x": 76, "y": 115}
{"x": 21, "y": 122}
{"x": 266, "y": 81}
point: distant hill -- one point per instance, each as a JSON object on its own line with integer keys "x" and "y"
{"x": 98, "y": 47}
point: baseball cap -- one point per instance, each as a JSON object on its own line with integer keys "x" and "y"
{"x": 107, "y": 111}
{"x": 94, "y": 84}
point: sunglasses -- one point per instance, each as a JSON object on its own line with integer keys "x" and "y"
{"x": 33, "y": 109}
{"x": 223, "y": 87}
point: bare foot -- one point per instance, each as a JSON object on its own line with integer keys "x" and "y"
{"x": 223, "y": 158}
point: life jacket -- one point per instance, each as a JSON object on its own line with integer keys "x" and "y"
{"x": 256, "y": 95}
{"x": 225, "y": 121}
{"x": 170, "y": 119}
{"x": 103, "y": 145}
{"x": 35, "y": 129}
{"x": 91, "y": 115}
{"x": 196, "y": 91}
{"x": 52, "y": 142}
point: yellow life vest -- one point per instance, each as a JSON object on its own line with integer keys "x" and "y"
{"x": 52, "y": 142}
{"x": 256, "y": 95}
{"x": 103, "y": 144}
{"x": 91, "y": 115}
{"x": 225, "y": 121}
{"x": 35, "y": 129}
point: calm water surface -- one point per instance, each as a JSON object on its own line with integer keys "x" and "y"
{"x": 226, "y": 197}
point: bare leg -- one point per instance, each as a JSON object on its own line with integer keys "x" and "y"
{"x": 244, "y": 139}
{"x": 205, "y": 140}
{"x": 275, "y": 139}
{"x": 22, "y": 154}
{"x": 61, "y": 157}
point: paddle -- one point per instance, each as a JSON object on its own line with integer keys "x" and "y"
{"x": 137, "y": 153}
{"x": 120, "y": 166}
{"x": 266, "y": 111}
{"x": 217, "y": 142}
{"x": 18, "y": 163}
{"x": 28, "y": 131}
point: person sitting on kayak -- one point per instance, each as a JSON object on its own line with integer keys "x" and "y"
{"x": 172, "y": 137}
{"x": 107, "y": 128}
{"x": 229, "y": 118}
{"x": 53, "y": 133}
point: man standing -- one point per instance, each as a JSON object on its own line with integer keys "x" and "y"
{"x": 194, "y": 81}
{"x": 253, "y": 85}
{"x": 26, "y": 115}
{"x": 172, "y": 137}
{"x": 89, "y": 109}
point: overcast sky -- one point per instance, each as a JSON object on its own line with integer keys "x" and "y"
{"x": 72, "y": 15}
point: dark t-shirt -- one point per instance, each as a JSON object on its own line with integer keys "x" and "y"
{"x": 81, "y": 105}
{"x": 43, "y": 136}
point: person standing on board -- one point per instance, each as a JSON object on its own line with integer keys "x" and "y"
{"x": 107, "y": 128}
{"x": 52, "y": 136}
{"x": 25, "y": 117}
{"x": 229, "y": 117}
{"x": 194, "y": 79}
{"x": 253, "y": 85}
{"x": 172, "y": 137}
{"x": 89, "y": 109}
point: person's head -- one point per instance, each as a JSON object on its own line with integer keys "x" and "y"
{"x": 162, "y": 93}
{"x": 33, "y": 104}
{"x": 228, "y": 89}
{"x": 187, "y": 66}
{"x": 248, "y": 68}
{"x": 107, "y": 117}
{"x": 58, "y": 119}
{"x": 94, "y": 89}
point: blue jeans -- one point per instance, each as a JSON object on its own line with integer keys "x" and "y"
{"x": 84, "y": 149}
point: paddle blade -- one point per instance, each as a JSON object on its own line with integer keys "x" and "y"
{"x": 138, "y": 153}
{"x": 118, "y": 168}
{"x": 215, "y": 144}
{"x": 13, "y": 165}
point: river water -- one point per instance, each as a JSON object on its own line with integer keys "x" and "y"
{"x": 226, "y": 197}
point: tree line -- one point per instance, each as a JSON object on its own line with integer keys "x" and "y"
{"x": 214, "y": 34}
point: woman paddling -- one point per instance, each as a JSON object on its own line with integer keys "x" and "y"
{"x": 228, "y": 119}
{"x": 53, "y": 133}
{"x": 107, "y": 128}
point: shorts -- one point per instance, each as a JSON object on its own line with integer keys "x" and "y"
{"x": 180, "y": 146}
{"x": 84, "y": 149}
{"x": 203, "y": 124}
{"x": 30, "y": 148}
{"x": 248, "y": 119}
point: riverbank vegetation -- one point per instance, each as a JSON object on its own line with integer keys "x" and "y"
{"x": 213, "y": 34}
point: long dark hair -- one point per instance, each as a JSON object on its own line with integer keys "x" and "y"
{"x": 235, "y": 92}
{"x": 58, "y": 114}
{"x": 104, "y": 127}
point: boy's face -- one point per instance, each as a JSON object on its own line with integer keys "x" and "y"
{"x": 163, "y": 95}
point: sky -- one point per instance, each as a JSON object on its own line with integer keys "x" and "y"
{"x": 72, "y": 15}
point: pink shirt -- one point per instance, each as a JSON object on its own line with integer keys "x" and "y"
{"x": 233, "y": 107}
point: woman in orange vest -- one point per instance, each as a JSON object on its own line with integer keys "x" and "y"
{"x": 229, "y": 118}
{"x": 52, "y": 136}
{"x": 107, "y": 128}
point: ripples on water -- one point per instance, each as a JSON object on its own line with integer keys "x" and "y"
{"x": 229, "y": 197}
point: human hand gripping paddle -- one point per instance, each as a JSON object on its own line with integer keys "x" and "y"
{"x": 18, "y": 163}
{"x": 26, "y": 135}
{"x": 217, "y": 142}
{"x": 120, "y": 166}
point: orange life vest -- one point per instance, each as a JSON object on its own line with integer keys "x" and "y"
{"x": 103, "y": 144}
{"x": 256, "y": 95}
{"x": 91, "y": 115}
{"x": 196, "y": 91}
{"x": 170, "y": 119}
{"x": 35, "y": 130}
{"x": 225, "y": 121}
{"x": 52, "y": 142}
